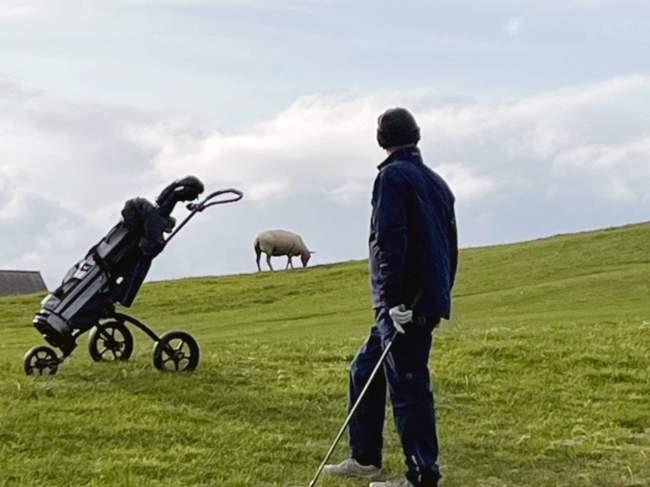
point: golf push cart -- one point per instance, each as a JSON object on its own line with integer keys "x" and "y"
{"x": 112, "y": 273}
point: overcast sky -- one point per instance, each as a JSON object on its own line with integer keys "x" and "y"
{"x": 536, "y": 112}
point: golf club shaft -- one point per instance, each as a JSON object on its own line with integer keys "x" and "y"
{"x": 380, "y": 362}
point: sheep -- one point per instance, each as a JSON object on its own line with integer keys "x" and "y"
{"x": 275, "y": 243}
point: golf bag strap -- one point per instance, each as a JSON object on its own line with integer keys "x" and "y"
{"x": 101, "y": 263}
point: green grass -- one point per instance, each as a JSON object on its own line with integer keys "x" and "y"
{"x": 541, "y": 379}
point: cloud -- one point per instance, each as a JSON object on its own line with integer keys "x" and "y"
{"x": 12, "y": 10}
{"x": 320, "y": 144}
{"x": 269, "y": 4}
{"x": 515, "y": 26}
{"x": 63, "y": 165}
{"x": 68, "y": 166}
{"x": 618, "y": 172}
{"x": 469, "y": 186}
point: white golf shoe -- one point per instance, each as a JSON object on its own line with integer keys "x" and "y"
{"x": 403, "y": 482}
{"x": 353, "y": 469}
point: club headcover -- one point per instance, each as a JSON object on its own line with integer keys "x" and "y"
{"x": 187, "y": 189}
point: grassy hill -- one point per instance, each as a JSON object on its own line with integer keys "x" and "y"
{"x": 542, "y": 378}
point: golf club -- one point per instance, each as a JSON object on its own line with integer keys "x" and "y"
{"x": 380, "y": 362}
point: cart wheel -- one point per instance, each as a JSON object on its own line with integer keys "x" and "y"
{"x": 41, "y": 360}
{"x": 110, "y": 340}
{"x": 176, "y": 351}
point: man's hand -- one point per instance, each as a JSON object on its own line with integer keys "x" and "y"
{"x": 400, "y": 316}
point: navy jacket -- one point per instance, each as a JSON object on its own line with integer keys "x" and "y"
{"x": 413, "y": 242}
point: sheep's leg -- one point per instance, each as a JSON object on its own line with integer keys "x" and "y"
{"x": 268, "y": 261}
{"x": 259, "y": 256}
{"x": 289, "y": 263}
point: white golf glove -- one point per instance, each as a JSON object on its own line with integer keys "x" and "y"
{"x": 400, "y": 316}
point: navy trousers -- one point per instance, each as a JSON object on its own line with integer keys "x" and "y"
{"x": 406, "y": 371}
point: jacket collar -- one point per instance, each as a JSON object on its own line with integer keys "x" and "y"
{"x": 408, "y": 154}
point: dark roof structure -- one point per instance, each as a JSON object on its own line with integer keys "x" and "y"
{"x": 21, "y": 282}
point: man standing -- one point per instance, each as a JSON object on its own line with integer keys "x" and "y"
{"x": 413, "y": 260}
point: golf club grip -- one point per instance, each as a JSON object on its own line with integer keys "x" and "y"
{"x": 380, "y": 362}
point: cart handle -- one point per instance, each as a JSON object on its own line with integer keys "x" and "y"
{"x": 206, "y": 203}
{"x": 210, "y": 200}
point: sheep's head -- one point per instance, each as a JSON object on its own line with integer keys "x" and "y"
{"x": 305, "y": 256}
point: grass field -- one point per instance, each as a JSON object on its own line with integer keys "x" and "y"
{"x": 542, "y": 378}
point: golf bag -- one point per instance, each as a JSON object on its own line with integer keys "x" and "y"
{"x": 113, "y": 270}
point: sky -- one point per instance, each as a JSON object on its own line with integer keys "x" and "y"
{"x": 535, "y": 112}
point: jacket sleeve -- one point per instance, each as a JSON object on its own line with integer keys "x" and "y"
{"x": 453, "y": 249}
{"x": 391, "y": 234}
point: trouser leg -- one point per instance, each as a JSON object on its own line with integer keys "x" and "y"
{"x": 407, "y": 373}
{"x": 366, "y": 426}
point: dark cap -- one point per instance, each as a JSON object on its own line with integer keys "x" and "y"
{"x": 397, "y": 126}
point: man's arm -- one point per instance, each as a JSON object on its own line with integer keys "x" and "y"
{"x": 453, "y": 249}
{"x": 391, "y": 233}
